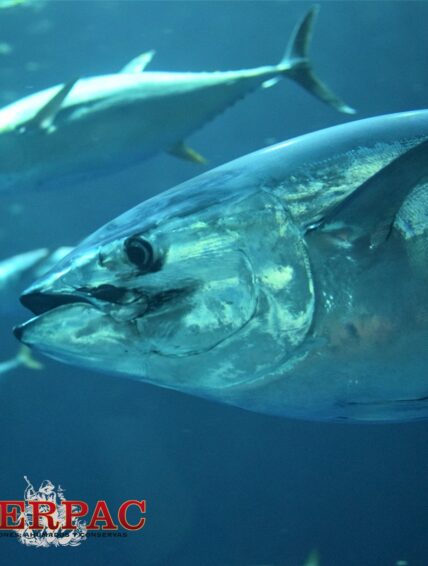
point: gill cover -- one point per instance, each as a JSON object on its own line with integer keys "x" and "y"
{"x": 253, "y": 320}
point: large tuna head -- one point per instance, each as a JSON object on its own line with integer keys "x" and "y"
{"x": 198, "y": 289}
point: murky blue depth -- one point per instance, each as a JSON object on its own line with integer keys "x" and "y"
{"x": 224, "y": 487}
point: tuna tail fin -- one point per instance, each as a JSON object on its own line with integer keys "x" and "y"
{"x": 297, "y": 65}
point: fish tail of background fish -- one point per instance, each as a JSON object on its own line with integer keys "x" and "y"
{"x": 296, "y": 64}
{"x": 23, "y": 358}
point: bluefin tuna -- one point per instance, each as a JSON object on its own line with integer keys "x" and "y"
{"x": 93, "y": 126}
{"x": 292, "y": 281}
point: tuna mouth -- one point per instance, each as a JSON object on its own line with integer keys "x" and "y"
{"x": 41, "y": 303}
{"x": 102, "y": 302}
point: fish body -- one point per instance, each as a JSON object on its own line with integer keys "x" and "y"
{"x": 93, "y": 126}
{"x": 291, "y": 281}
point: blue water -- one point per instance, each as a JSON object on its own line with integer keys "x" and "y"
{"x": 224, "y": 487}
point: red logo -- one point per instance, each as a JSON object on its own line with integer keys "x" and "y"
{"x": 45, "y": 517}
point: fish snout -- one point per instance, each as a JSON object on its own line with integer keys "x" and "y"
{"x": 42, "y": 303}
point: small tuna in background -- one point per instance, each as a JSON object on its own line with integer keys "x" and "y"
{"x": 94, "y": 126}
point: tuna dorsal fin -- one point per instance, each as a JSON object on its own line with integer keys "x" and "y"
{"x": 371, "y": 209}
{"x": 184, "y": 152}
{"x": 46, "y": 115}
{"x": 139, "y": 63}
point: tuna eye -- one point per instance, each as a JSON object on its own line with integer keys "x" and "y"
{"x": 140, "y": 252}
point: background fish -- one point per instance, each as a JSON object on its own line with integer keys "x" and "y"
{"x": 98, "y": 125}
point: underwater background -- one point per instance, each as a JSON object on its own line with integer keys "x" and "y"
{"x": 224, "y": 487}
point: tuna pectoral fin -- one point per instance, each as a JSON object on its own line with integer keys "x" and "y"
{"x": 25, "y": 358}
{"x": 184, "y": 152}
{"x": 373, "y": 206}
{"x": 44, "y": 118}
{"x": 138, "y": 64}
{"x": 296, "y": 64}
